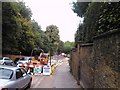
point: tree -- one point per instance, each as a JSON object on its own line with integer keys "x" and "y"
{"x": 79, "y": 35}
{"x": 80, "y": 8}
{"x": 109, "y": 17}
{"x": 53, "y": 34}
{"x": 68, "y": 47}
{"x": 61, "y": 47}
{"x": 25, "y": 11}
{"x": 36, "y": 29}
{"x": 99, "y": 17}
{"x": 19, "y": 33}
{"x": 9, "y": 27}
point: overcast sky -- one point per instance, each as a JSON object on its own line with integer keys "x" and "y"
{"x": 55, "y": 12}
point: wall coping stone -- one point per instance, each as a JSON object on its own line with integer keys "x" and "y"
{"x": 87, "y": 44}
{"x": 80, "y": 42}
{"x": 115, "y": 31}
{"x": 74, "y": 49}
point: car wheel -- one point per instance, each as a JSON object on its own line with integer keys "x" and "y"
{"x": 29, "y": 85}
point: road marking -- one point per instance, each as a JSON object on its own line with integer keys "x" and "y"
{"x": 38, "y": 83}
{"x": 34, "y": 80}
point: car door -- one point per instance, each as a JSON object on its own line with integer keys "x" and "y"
{"x": 26, "y": 77}
{"x": 20, "y": 81}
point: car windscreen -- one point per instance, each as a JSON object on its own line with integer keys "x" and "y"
{"x": 22, "y": 59}
{"x": 7, "y": 59}
{"x": 25, "y": 59}
{"x": 5, "y": 73}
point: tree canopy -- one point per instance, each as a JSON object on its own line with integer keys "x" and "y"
{"x": 19, "y": 32}
{"x": 68, "y": 47}
{"x": 53, "y": 34}
{"x": 99, "y": 17}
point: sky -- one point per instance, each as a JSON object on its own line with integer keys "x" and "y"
{"x": 55, "y": 12}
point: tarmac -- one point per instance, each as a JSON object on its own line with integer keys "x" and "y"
{"x": 61, "y": 78}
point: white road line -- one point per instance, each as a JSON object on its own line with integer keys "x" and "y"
{"x": 38, "y": 82}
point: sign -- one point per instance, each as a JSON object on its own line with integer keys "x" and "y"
{"x": 37, "y": 70}
{"x": 46, "y": 70}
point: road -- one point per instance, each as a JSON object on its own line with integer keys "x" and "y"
{"x": 61, "y": 78}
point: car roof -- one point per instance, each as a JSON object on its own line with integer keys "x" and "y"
{"x": 4, "y": 57}
{"x": 25, "y": 57}
{"x": 9, "y": 67}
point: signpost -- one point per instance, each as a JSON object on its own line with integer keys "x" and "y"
{"x": 37, "y": 70}
{"x": 46, "y": 70}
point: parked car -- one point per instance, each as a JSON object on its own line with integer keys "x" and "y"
{"x": 16, "y": 60}
{"x": 6, "y": 61}
{"x": 14, "y": 78}
{"x": 24, "y": 60}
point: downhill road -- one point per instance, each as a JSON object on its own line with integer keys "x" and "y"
{"x": 61, "y": 78}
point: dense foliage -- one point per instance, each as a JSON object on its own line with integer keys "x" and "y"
{"x": 99, "y": 17}
{"x": 20, "y": 34}
{"x": 68, "y": 47}
{"x": 53, "y": 34}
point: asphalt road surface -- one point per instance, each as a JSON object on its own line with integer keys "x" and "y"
{"x": 61, "y": 78}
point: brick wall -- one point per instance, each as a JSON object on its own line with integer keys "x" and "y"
{"x": 86, "y": 67}
{"x": 106, "y": 59}
{"x": 81, "y": 66}
{"x": 98, "y": 65}
{"x": 74, "y": 63}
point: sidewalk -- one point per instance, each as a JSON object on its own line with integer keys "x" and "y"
{"x": 63, "y": 77}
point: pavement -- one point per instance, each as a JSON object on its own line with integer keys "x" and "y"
{"x": 61, "y": 78}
